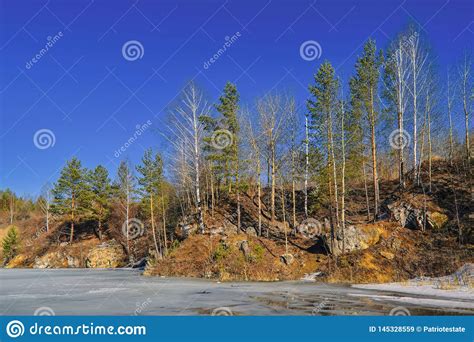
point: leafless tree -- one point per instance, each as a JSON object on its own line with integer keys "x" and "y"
{"x": 185, "y": 134}
{"x": 273, "y": 114}
{"x": 418, "y": 57}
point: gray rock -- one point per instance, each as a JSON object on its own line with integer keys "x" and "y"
{"x": 251, "y": 231}
{"x": 354, "y": 238}
{"x": 287, "y": 259}
{"x": 72, "y": 262}
{"x": 244, "y": 247}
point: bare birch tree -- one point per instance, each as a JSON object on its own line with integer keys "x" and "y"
{"x": 186, "y": 136}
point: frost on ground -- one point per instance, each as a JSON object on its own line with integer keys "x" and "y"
{"x": 459, "y": 285}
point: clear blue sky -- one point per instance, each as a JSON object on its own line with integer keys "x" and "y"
{"x": 85, "y": 92}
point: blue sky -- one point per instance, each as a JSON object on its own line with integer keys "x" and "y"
{"x": 91, "y": 98}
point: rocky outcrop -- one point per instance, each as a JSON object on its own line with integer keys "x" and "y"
{"x": 354, "y": 238}
{"x": 57, "y": 259}
{"x": 409, "y": 216}
{"x": 106, "y": 255}
{"x": 251, "y": 231}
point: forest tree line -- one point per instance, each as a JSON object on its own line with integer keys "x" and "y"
{"x": 390, "y": 117}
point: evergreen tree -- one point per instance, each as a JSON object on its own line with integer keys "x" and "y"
{"x": 101, "y": 191}
{"x": 364, "y": 92}
{"x": 71, "y": 193}
{"x": 323, "y": 106}
{"x": 228, "y": 106}
{"x": 10, "y": 244}
{"x": 150, "y": 181}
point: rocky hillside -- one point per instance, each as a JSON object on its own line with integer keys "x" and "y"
{"x": 416, "y": 235}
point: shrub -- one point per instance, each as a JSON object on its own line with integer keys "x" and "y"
{"x": 220, "y": 252}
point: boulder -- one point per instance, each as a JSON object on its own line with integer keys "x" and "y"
{"x": 251, "y": 231}
{"x": 57, "y": 259}
{"x": 406, "y": 215}
{"x": 73, "y": 262}
{"x": 355, "y": 238}
{"x": 437, "y": 220}
{"x": 230, "y": 228}
{"x": 244, "y": 248}
{"x": 140, "y": 264}
{"x": 106, "y": 255}
{"x": 287, "y": 259}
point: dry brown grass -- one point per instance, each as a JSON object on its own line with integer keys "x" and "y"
{"x": 210, "y": 257}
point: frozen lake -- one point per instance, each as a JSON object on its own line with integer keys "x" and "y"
{"x": 127, "y": 292}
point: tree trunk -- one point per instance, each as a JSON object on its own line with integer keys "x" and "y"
{"x": 212, "y": 193}
{"x": 374, "y": 157}
{"x": 73, "y": 208}
{"x": 127, "y": 213}
{"x": 401, "y": 172}
{"x": 366, "y": 192}
{"x": 306, "y": 169}
{"x": 158, "y": 254}
{"x": 343, "y": 182}
{"x": 414, "y": 115}
{"x": 259, "y": 194}
{"x": 451, "y": 143}
{"x": 164, "y": 225}
{"x": 100, "y": 230}
{"x": 237, "y": 189}
{"x": 333, "y": 160}
{"x": 283, "y": 214}
{"x": 196, "y": 177}
{"x": 12, "y": 204}
{"x": 273, "y": 182}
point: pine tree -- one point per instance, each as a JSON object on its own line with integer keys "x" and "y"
{"x": 322, "y": 107}
{"x": 364, "y": 89}
{"x": 228, "y": 106}
{"x": 101, "y": 192}
{"x": 71, "y": 193}
{"x": 10, "y": 244}
{"x": 150, "y": 181}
